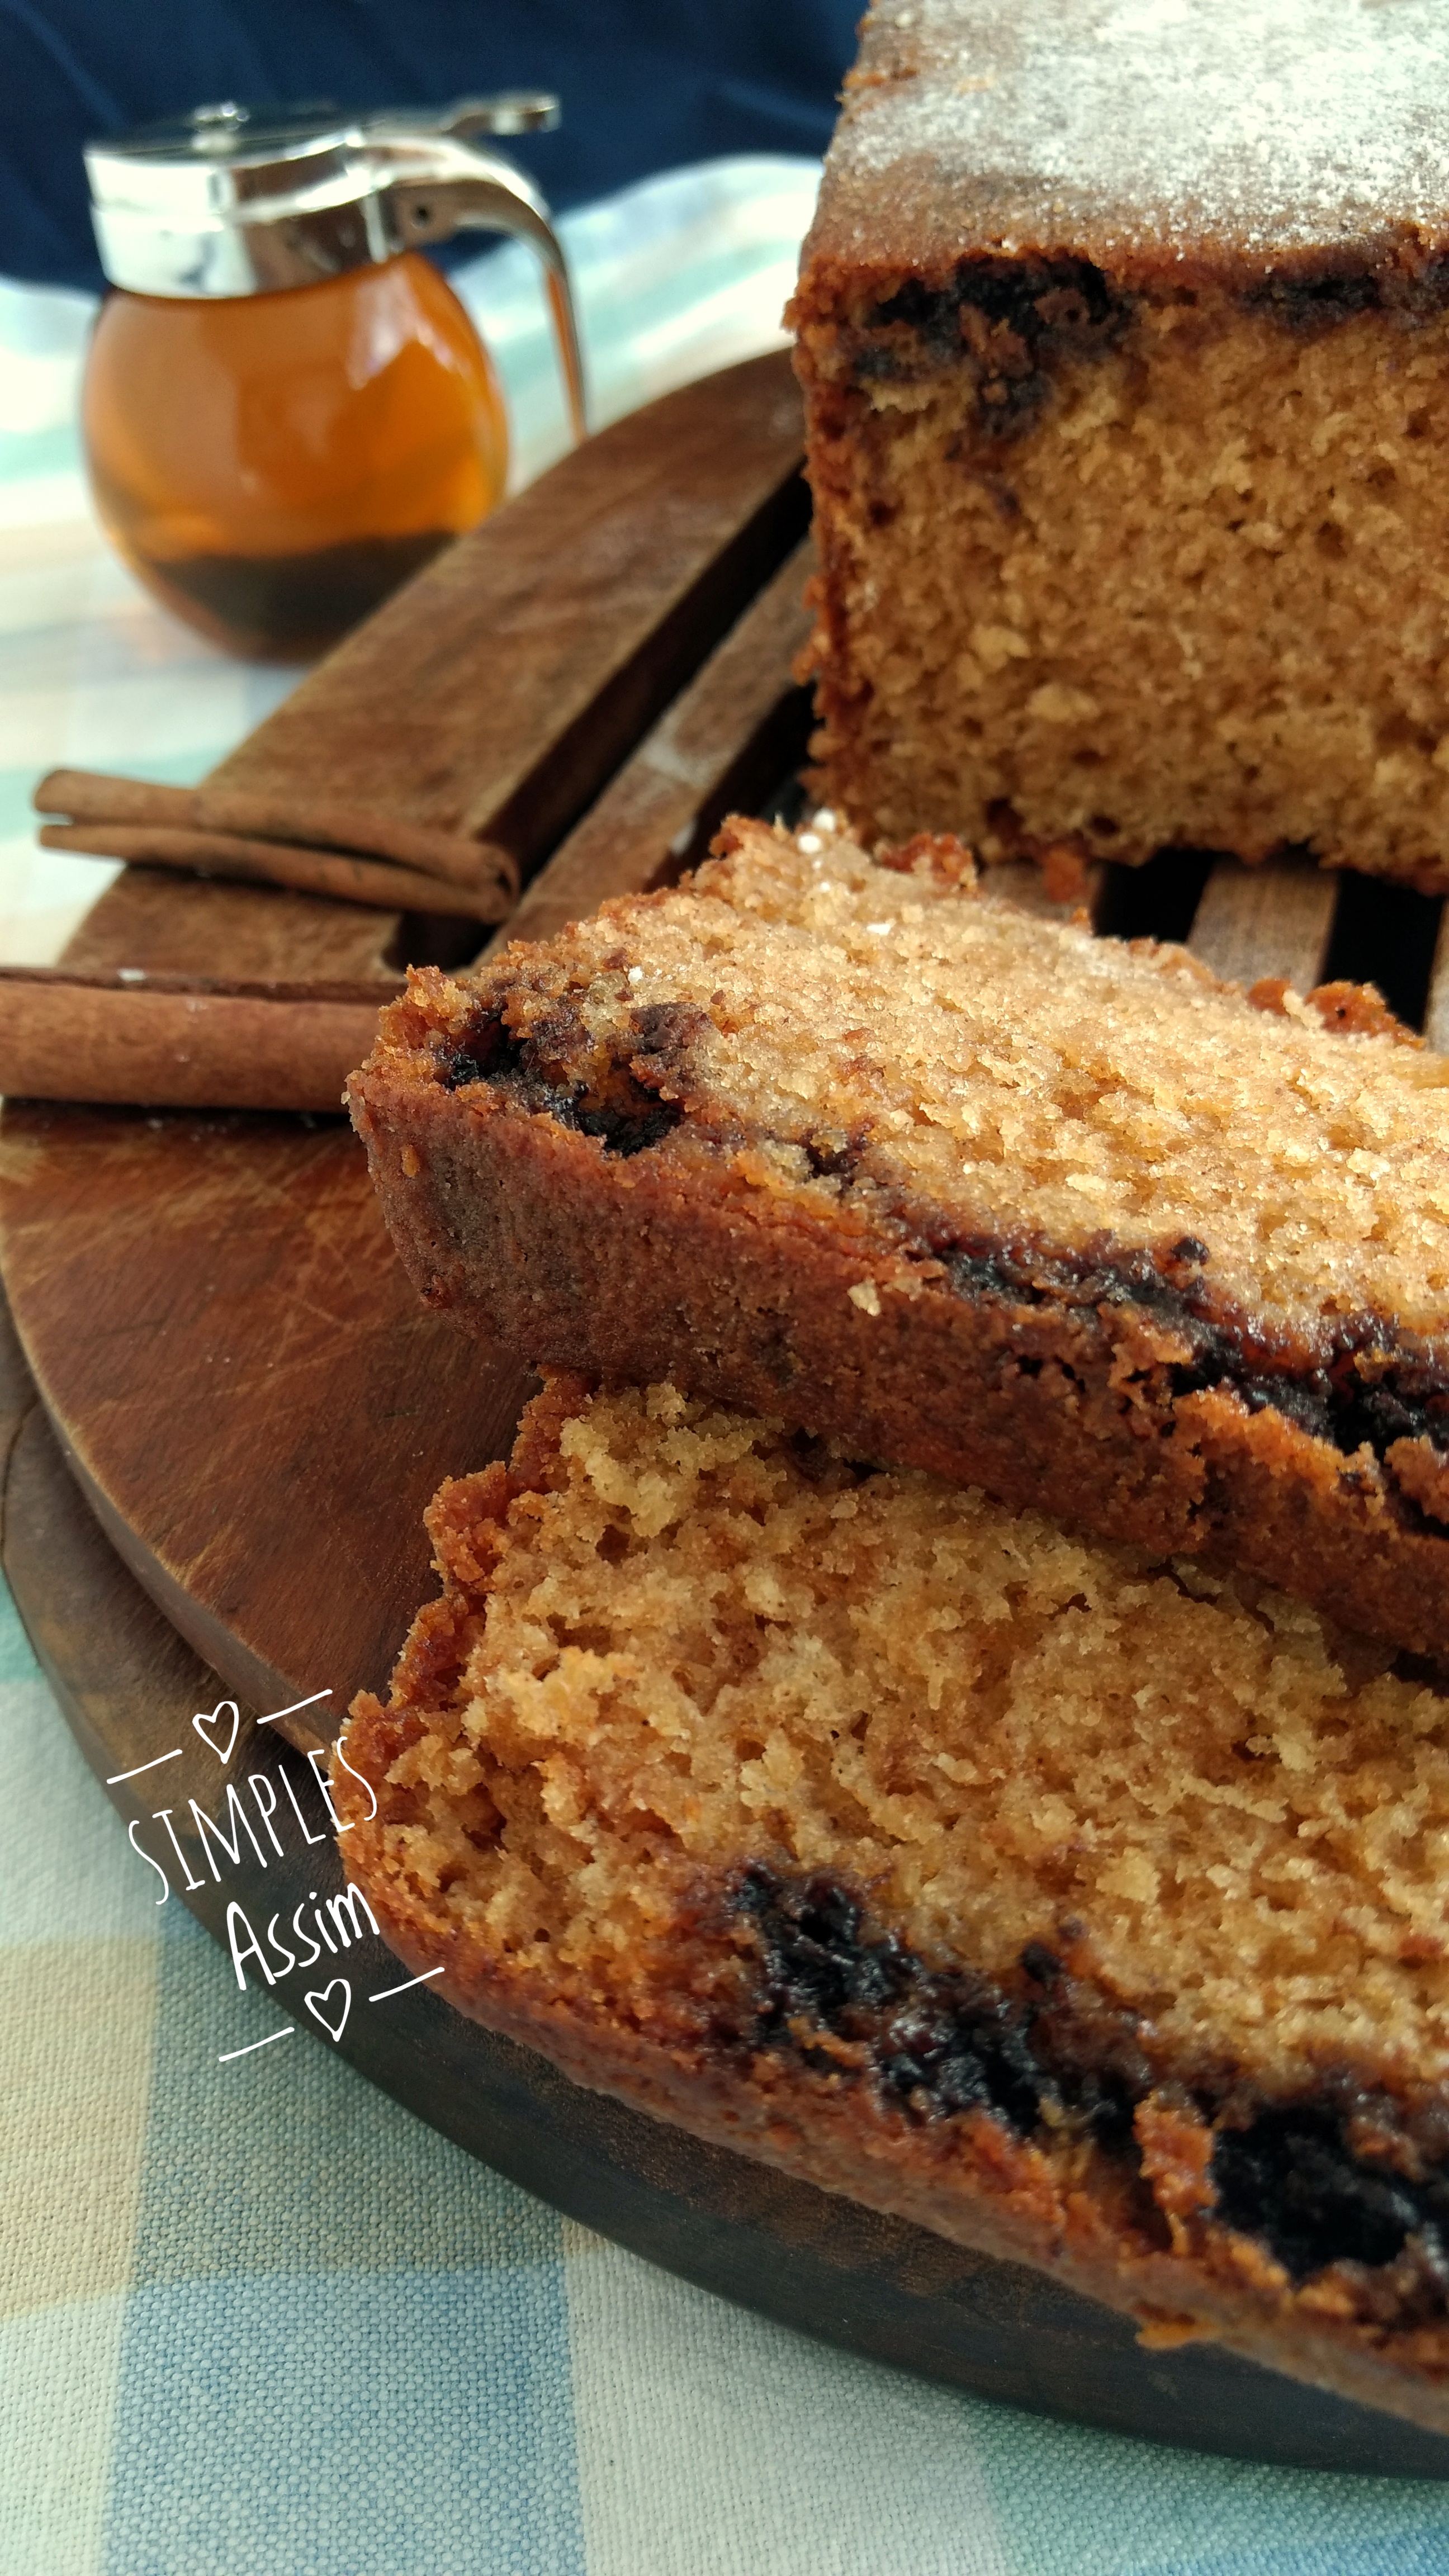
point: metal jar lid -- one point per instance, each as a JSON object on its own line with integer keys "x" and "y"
{"x": 234, "y": 200}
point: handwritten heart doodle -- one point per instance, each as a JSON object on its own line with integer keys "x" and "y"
{"x": 317, "y": 2006}
{"x": 204, "y": 1725}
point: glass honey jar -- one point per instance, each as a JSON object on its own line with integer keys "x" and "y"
{"x": 286, "y": 409}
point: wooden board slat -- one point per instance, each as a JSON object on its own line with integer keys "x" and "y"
{"x": 1270, "y": 920}
{"x": 176, "y": 925}
{"x": 1436, "y": 1017}
{"x": 1020, "y": 882}
{"x": 732, "y": 735}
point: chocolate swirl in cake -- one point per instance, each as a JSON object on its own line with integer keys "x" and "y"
{"x": 1082, "y": 1907}
{"x": 962, "y": 1188}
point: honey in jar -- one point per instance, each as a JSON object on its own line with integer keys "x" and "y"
{"x": 286, "y": 408}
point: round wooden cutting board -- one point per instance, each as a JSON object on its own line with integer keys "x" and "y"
{"x": 235, "y": 1376}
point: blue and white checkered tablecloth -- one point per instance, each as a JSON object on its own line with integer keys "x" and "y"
{"x": 254, "y": 2319}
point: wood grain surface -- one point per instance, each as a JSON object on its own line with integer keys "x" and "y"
{"x": 241, "y": 1377}
{"x": 165, "y": 925}
{"x": 130, "y": 1687}
{"x": 1274, "y": 920}
{"x": 1436, "y": 1016}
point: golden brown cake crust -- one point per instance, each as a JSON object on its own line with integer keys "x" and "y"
{"x": 769, "y": 2012}
{"x": 1220, "y": 145}
{"x": 1061, "y": 1374}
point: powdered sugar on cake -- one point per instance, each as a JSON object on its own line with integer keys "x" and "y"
{"x": 1264, "y": 126}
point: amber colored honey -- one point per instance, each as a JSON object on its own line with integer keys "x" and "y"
{"x": 273, "y": 465}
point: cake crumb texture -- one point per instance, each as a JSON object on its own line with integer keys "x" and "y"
{"x": 706, "y": 1644}
{"x": 880, "y": 1035}
{"x": 1193, "y": 600}
{"x": 806, "y": 1801}
{"x": 965, "y": 1188}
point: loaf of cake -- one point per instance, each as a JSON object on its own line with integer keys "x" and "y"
{"x": 1084, "y": 1909}
{"x": 852, "y": 1144}
{"x": 1122, "y": 333}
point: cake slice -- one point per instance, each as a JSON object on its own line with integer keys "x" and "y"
{"x": 850, "y": 1144}
{"x": 1121, "y": 332}
{"x": 1085, "y": 1909}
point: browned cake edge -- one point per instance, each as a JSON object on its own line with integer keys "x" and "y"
{"x": 725, "y": 2037}
{"x": 896, "y": 217}
{"x": 655, "y": 1263}
{"x": 884, "y": 216}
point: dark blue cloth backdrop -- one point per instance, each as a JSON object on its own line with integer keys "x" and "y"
{"x": 646, "y": 84}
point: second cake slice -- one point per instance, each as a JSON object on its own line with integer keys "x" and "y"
{"x": 844, "y": 1142}
{"x": 1079, "y": 1908}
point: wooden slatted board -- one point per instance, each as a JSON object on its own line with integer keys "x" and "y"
{"x": 243, "y": 1387}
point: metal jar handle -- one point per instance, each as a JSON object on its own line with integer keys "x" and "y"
{"x": 430, "y": 185}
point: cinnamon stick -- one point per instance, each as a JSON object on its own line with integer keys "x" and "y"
{"x": 219, "y": 854}
{"x": 88, "y": 796}
{"x": 65, "y": 1037}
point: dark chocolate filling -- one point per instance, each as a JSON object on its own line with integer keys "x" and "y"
{"x": 1046, "y": 2056}
{"x": 1290, "y": 2179}
{"x": 1313, "y": 303}
{"x": 1010, "y": 321}
{"x": 936, "y": 2041}
{"x": 623, "y": 1112}
{"x": 1370, "y": 1383}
